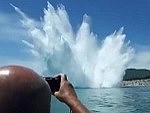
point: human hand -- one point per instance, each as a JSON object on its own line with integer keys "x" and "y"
{"x": 66, "y": 92}
{"x": 68, "y": 95}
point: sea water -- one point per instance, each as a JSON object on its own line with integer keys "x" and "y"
{"x": 110, "y": 100}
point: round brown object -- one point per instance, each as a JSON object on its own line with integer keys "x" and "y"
{"x": 23, "y": 91}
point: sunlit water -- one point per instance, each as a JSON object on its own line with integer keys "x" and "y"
{"x": 87, "y": 61}
{"x": 111, "y": 100}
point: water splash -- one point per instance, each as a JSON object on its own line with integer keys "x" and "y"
{"x": 87, "y": 63}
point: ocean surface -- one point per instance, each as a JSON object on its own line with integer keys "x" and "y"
{"x": 110, "y": 100}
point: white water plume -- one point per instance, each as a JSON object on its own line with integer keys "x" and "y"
{"x": 87, "y": 62}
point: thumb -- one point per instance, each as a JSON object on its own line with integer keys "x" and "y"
{"x": 56, "y": 93}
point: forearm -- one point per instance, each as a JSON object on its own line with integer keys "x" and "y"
{"x": 68, "y": 95}
{"x": 77, "y": 107}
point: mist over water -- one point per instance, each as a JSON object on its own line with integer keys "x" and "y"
{"x": 87, "y": 62}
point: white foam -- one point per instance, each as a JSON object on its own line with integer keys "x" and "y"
{"x": 87, "y": 62}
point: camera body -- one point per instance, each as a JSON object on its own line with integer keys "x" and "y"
{"x": 54, "y": 83}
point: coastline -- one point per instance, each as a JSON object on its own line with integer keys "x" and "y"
{"x": 139, "y": 82}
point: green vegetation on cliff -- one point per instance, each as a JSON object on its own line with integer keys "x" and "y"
{"x": 136, "y": 74}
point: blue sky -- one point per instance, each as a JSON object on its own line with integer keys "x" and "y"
{"x": 106, "y": 17}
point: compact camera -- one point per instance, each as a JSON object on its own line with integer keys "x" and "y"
{"x": 54, "y": 83}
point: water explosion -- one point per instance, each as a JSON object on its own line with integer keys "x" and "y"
{"x": 87, "y": 62}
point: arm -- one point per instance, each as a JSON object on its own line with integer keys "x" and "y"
{"x": 67, "y": 95}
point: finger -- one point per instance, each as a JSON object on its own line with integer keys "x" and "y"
{"x": 56, "y": 93}
{"x": 63, "y": 77}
